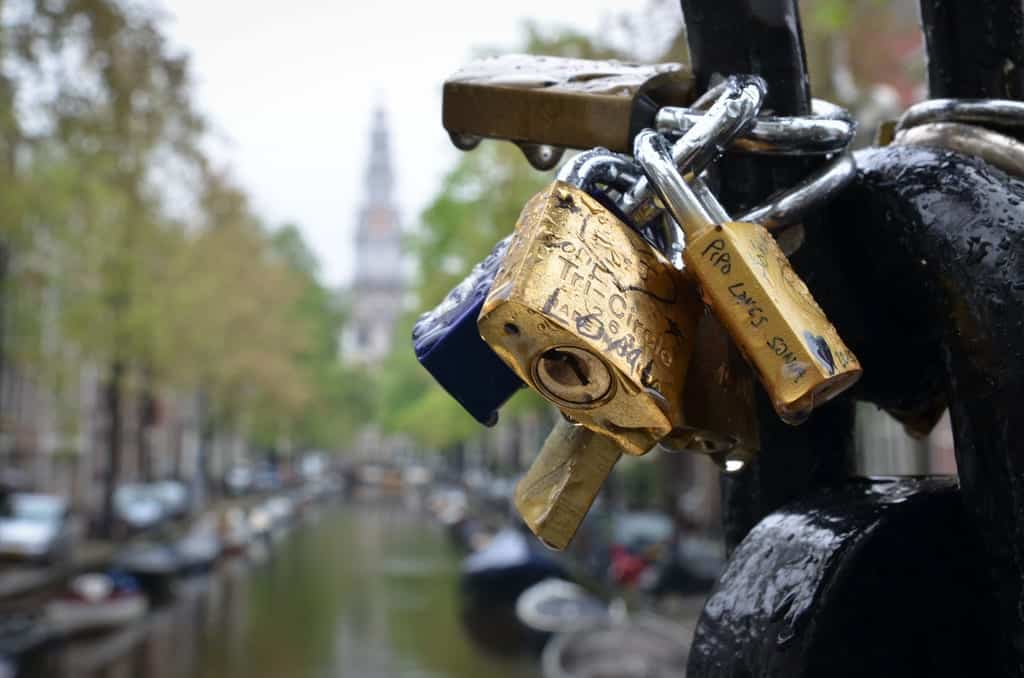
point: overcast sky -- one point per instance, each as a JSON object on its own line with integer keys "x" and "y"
{"x": 290, "y": 86}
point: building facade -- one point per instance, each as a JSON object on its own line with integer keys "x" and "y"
{"x": 375, "y": 296}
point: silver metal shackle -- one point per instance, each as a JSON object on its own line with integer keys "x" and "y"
{"x": 600, "y": 166}
{"x": 697, "y": 203}
{"x": 706, "y": 140}
{"x": 998, "y": 150}
{"x": 790, "y": 205}
{"x": 654, "y": 154}
{"x": 995, "y": 112}
{"x": 829, "y": 129}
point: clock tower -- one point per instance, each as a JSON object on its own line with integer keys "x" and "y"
{"x": 379, "y": 283}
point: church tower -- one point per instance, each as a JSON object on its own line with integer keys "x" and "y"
{"x": 377, "y": 287}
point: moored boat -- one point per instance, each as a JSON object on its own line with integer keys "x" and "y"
{"x": 559, "y": 606}
{"x": 199, "y": 548}
{"x": 96, "y": 601}
{"x": 491, "y": 581}
{"x": 154, "y": 564}
{"x": 640, "y": 647}
{"x": 234, "y": 531}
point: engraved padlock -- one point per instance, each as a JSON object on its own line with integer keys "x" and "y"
{"x": 747, "y": 281}
{"x": 593, "y": 317}
{"x": 446, "y": 339}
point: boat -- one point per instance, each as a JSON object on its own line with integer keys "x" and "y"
{"x": 138, "y": 507}
{"x": 491, "y": 581}
{"x": 96, "y": 601}
{"x": 36, "y": 528}
{"x": 642, "y": 647}
{"x": 173, "y": 496}
{"x": 199, "y": 548}
{"x": 260, "y": 522}
{"x": 282, "y": 512}
{"x": 560, "y": 606}
{"x": 154, "y": 564}
{"x": 509, "y": 564}
{"x": 234, "y": 531}
{"x": 23, "y": 631}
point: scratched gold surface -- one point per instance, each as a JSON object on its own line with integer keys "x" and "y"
{"x": 770, "y": 314}
{"x": 576, "y": 276}
{"x": 555, "y": 494}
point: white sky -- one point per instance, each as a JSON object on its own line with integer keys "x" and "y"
{"x": 290, "y": 86}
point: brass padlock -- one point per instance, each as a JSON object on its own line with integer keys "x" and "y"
{"x": 564, "y": 102}
{"x": 563, "y": 481}
{"x": 748, "y": 283}
{"x": 593, "y": 317}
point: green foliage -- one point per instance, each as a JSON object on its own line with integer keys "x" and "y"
{"x": 98, "y": 271}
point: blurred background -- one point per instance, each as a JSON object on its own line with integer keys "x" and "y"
{"x": 220, "y": 221}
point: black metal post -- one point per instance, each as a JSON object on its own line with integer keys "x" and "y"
{"x": 975, "y": 49}
{"x": 764, "y": 37}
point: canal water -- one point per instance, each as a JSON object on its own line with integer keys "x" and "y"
{"x": 364, "y": 589}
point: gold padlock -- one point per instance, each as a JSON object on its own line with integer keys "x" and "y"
{"x": 563, "y": 481}
{"x": 748, "y": 283}
{"x": 594, "y": 318}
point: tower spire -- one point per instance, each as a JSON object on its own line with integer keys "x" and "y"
{"x": 379, "y": 175}
{"x": 378, "y": 284}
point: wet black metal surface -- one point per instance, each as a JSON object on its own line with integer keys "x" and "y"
{"x": 872, "y": 579}
{"x": 750, "y": 36}
{"x": 763, "y": 37}
{"x": 929, "y": 248}
{"x": 975, "y": 49}
{"x": 922, "y": 271}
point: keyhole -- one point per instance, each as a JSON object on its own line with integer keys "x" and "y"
{"x": 573, "y": 376}
{"x": 562, "y": 364}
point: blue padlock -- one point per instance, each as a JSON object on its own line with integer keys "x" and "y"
{"x": 446, "y": 339}
{"x": 448, "y": 345}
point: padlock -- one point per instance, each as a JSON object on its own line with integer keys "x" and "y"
{"x": 717, "y": 418}
{"x": 543, "y": 102}
{"x": 563, "y": 481}
{"x": 593, "y": 317}
{"x": 446, "y": 339}
{"x": 747, "y": 281}
{"x": 718, "y": 401}
{"x": 448, "y": 345}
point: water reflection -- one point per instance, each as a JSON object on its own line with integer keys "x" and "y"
{"x": 363, "y": 590}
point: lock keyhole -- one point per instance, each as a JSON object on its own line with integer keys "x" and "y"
{"x": 563, "y": 366}
{"x": 573, "y": 375}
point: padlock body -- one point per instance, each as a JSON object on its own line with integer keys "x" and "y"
{"x": 595, "y": 319}
{"x": 559, "y": 487}
{"x": 750, "y": 286}
{"x": 573, "y": 103}
{"x": 448, "y": 345}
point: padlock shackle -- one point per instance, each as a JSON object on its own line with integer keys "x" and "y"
{"x": 599, "y": 166}
{"x": 790, "y": 205}
{"x": 655, "y": 157}
{"x": 998, "y": 150}
{"x": 1003, "y": 113}
{"x": 703, "y": 143}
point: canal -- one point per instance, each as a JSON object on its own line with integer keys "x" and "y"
{"x": 362, "y": 589}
